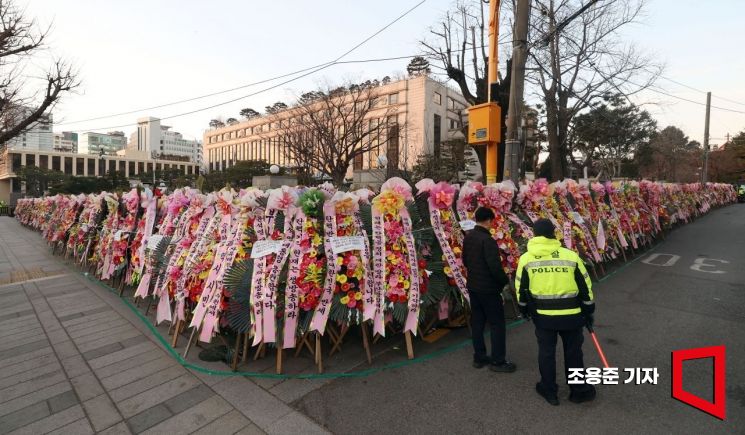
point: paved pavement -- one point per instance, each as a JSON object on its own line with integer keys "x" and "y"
{"x": 644, "y": 312}
{"x": 75, "y": 359}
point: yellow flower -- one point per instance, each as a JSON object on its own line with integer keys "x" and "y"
{"x": 344, "y": 300}
{"x": 359, "y": 273}
{"x": 358, "y": 296}
{"x": 312, "y": 253}
{"x": 341, "y": 278}
{"x": 406, "y": 285}
{"x": 316, "y": 239}
{"x": 447, "y": 270}
{"x": 457, "y": 250}
{"x": 339, "y": 261}
{"x": 203, "y": 275}
{"x": 492, "y": 231}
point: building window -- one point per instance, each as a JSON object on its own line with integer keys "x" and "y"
{"x": 453, "y": 124}
{"x": 393, "y": 99}
{"x": 437, "y": 134}
{"x": 438, "y": 98}
{"x": 451, "y": 104}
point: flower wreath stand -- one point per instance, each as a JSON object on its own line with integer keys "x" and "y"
{"x": 347, "y": 299}
{"x": 447, "y": 294}
{"x": 397, "y": 279}
{"x": 274, "y": 236}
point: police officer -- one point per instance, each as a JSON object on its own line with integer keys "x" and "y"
{"x": 485, "y": 281}
{"x": 555, "y": 290}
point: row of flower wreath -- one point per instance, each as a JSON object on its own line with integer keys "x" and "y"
{"x": 211, "y": 232}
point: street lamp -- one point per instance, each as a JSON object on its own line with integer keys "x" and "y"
{"x": 274, "y": 169}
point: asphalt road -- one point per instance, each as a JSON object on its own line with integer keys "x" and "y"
{"x": 690, "y": 295}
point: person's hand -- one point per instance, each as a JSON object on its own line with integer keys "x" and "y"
{"x": 525, "y": 311}
{"x": 589, "y": 320}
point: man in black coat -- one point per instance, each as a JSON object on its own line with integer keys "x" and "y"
{"x": 485, "y": 280}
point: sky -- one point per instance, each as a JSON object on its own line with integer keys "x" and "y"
{"x": 135, "y": 54}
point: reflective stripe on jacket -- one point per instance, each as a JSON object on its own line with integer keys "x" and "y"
{"x": 553, "y": 279}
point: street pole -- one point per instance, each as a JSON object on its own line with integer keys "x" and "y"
{"x": 492, "y": 147}
{"x": 704, "y": 177}
{"x": 517, "y": 85}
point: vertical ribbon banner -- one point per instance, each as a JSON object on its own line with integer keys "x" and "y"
{"x": 362, "y": 269}
{"x": 143, "y": 233}
{"x": 440, "y": 201}
{"x": 205, "y": 251}
{"x": 401, "y": 279}
{"x": 567, "y": 231}
{"x": 321, "y": 314}
{"x": 297, "y": 254}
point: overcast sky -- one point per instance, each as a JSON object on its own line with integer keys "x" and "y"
{"x": 134, "y": 54}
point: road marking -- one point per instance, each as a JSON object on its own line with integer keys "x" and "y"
{"x": 701, "y": 262}
{"x": 672, "y": 259}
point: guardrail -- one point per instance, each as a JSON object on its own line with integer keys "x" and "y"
{"x": 6, "y": 210}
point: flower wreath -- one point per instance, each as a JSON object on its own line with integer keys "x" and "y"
{"x": 266, "y": 294}
{"x": 396, "y": 272}
{"x": 211, "y": 301}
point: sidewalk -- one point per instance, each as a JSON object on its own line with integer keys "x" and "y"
{"x": 75, "y": 360}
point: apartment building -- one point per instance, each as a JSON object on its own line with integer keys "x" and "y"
{"x": 427, "y": 111}
{"x": 154, "y": 139}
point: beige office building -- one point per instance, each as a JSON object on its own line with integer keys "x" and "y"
{"x": 427, "y": 111}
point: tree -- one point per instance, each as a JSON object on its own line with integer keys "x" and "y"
{"x": 216, "y": 123}
{"x": 418, "y": 66}
{"x": 341, "y": 125}
{"x": 38, "y": 180}
{"x": 610, "y": 133}
{"x": 451, "y": 165}
{"x": 727, "y": 165}
{"x": 670, "y": 156}
{"x": 239, "y": 175}
{"x": 459, "y": 42}
{"x": 249, "y": 113}
{"x": 572, "y": 64}
{"x": 22, "y": 47}
{"x": 231, "y": 121}
{"x": 275, "y": 108}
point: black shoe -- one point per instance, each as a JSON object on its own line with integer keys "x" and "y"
{"x": 505, "y": 367}
{"x": 551, "y": 398}
{"x": 479, "y": 363}
{"x": 584, "y": 396}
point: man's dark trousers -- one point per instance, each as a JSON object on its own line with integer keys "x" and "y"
{"x": 572, "y": 341}
{"x": 487, "y": 307}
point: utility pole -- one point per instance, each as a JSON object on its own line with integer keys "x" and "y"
{"x": 517, "y": 84}
{"x": 484, "y": 120}
{"x": 704, "y": 176}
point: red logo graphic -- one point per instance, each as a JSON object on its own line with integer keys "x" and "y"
{"x": 718, "y": 407}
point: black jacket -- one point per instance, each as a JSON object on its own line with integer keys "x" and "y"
{"x": 482, "y": 262}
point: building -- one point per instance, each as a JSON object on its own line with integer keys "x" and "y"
{"x": 37, "y": 137}
{"x": 427, "y": 111}
{"x": 76, "y": 165}
{"x": 66, "y": 142}
{"x": 94, "y": 143}
{"x": 155, "y": 140}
